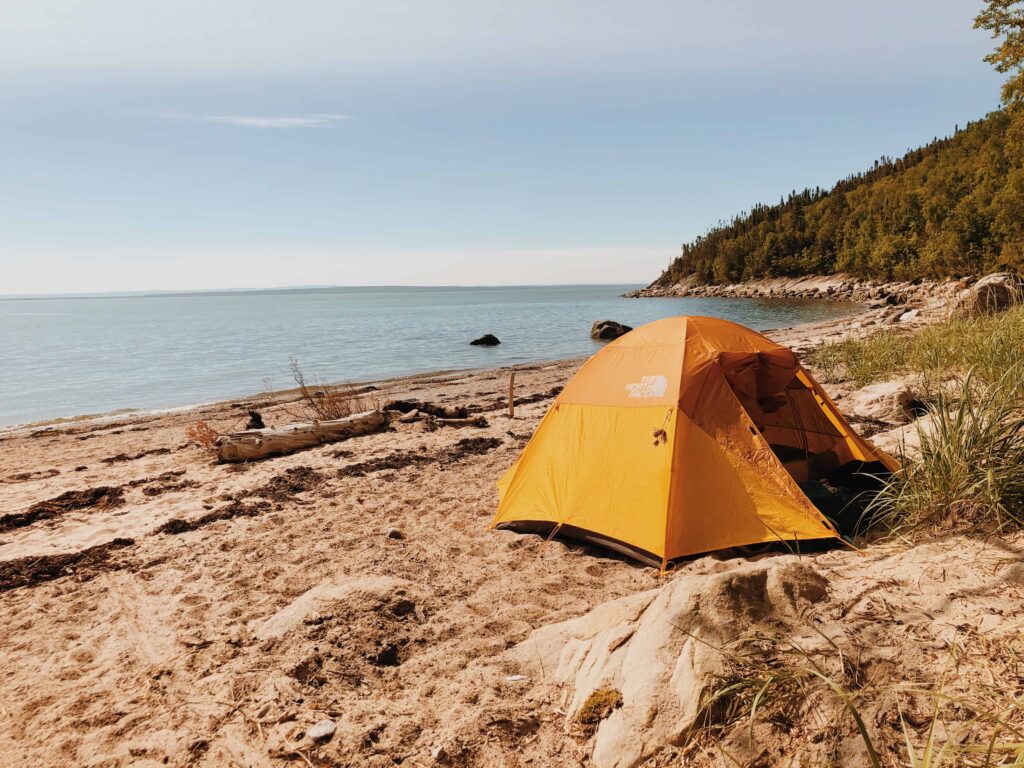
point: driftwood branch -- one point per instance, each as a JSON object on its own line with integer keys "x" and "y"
{"x": 261, "y": 443}
{"x": 476, "y": 421}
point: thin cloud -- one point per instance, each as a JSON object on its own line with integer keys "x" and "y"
{"x": 260, "y": 121}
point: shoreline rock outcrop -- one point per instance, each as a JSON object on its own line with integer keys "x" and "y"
{"x": 838, "y": 287}
{"x": 992, "y": 293}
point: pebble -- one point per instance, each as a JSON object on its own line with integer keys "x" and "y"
{"x": 322, "y": 731}
{"x": 395, "y": 533}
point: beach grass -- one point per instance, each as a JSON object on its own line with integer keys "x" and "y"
{"x": 988, "y": 345}
{"x": 968, "y": 473}
{"x": 815, "y": 696}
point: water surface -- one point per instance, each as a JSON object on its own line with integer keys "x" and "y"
{"x": 72, "y": 356}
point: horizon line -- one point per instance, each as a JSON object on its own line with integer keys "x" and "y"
{"x": 156, "y": 293}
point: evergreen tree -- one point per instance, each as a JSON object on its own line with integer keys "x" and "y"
{"x": 952, "y": 207}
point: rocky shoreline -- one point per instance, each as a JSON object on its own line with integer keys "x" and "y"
{"x": 838, "y": 287}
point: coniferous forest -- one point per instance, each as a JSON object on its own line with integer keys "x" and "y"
{"x": 953, "y": 207}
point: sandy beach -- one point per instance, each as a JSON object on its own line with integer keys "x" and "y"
{"x": 164, "y": 609}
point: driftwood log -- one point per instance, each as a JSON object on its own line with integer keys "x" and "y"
{"x": 260, "y": 443}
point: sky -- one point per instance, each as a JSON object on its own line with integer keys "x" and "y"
{"x": 188, "y": 144}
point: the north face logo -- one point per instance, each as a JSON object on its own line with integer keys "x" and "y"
{"x": 648, "y": 386}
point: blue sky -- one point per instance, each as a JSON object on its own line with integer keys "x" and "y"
{"x": 178, "y": 145}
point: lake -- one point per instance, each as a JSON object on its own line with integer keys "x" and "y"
{"x": 72, "y": 356}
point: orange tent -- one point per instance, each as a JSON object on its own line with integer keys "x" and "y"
{"x": 686, "y": 435}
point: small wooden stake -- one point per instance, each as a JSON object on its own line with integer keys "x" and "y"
{"x": 511, "y": 394}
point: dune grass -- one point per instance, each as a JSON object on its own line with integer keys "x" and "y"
{"x": 812, "y": 699}
{"x": 968, "y": 473}
{"x": 988, "y": 345}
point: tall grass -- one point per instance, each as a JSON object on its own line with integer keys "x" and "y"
{"x": 970, "y": 469}
{"x": 987, "y": 344}
{"x": 813, "y": 698}
{"x": 968, "y": 472}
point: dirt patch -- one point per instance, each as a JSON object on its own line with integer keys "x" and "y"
{"x": 161, "y": 489}
{"x": 163, "y": 477}
{"x": 235, "y": 509}
{"x": 353, "y": 639}
{"x": 39, "y": 474}
{"x": 101, "y": 497}
{"x": 84, "y": 565}
{"x": 467, "y": 446}
{"x": 132, "y": 457}
{"x": 397, "y": 460}
{"x": 288, "y": 484}
{"x": 501, "y": 403}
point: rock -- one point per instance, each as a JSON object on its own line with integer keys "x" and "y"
{"x": 658, "y": 650}
{"x": 910, "y": 314}
{"x": 607, "y": 330}
{"x": 395, "y": 533}
{"x": 322, "y": 732}
{"x": 487, "y": 340}
{"x": 439, "y": 753}
{"x": 905, "y": 441}
{"x": 897, "y": 401}
{"x": 990, "y": 294}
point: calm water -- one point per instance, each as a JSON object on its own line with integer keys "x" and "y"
{"x": 66, "y": 357}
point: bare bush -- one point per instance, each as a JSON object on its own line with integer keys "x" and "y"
{"x": 323, "y": 403}
{"x": 202, "y": 434}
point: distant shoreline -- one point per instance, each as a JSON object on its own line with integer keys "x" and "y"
{"x": 300, "y": 289}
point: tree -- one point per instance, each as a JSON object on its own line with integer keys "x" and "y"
{"x": 1005, "y": 20}
{"x": 952, "y": 207}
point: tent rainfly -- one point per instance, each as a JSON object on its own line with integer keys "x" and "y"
{"x": 686, "y": 435}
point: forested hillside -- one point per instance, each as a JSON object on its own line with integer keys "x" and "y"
{"x": 953, "y": 207}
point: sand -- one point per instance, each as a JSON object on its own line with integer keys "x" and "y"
{"x": 195, "y": 613}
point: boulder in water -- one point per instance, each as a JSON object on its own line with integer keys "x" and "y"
{"x": 607, "y": 330}
{"x": 487, "y": 340}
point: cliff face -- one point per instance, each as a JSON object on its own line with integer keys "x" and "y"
{"x": 951, "y": 208}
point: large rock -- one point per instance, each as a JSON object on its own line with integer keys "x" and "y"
{"x": 904, "y": 442}
{"x": 990, "y": 294}
{"x": 487, "y": 340}
{"x": 607, "y": 330}
{"x": 658, "y": 649}
{"x": 897, "y": 401}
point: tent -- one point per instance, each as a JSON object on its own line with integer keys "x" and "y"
{"x": 686, "y": 435}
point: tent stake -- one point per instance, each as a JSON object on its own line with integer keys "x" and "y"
{"x": 511, "y": 397}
